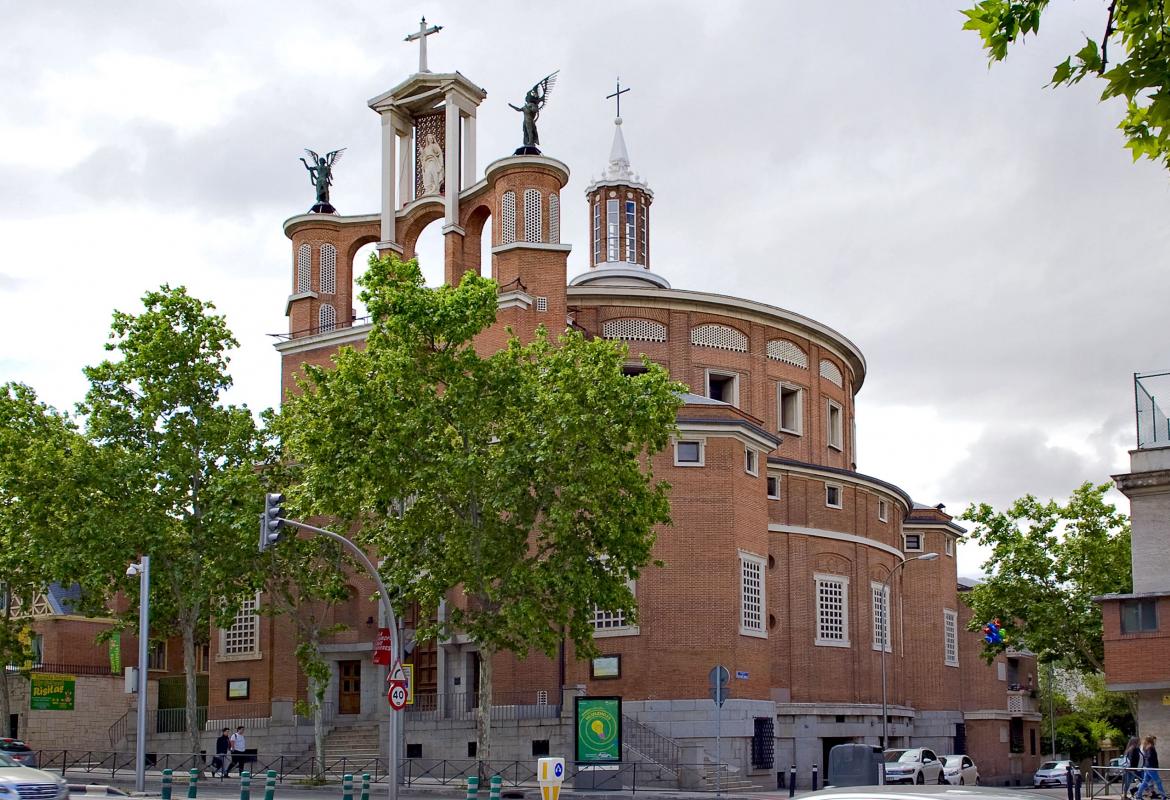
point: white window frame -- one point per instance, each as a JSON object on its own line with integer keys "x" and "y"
{"x": 613, "y": 224}
{"x": 950, "y": 638}
{"x": 607, "y": 623}
{"x": 840, "y": 495}
{"x": 631, "y": 223}
{"x": 702, "y": 451}
{"x": 880, "y": 599}
{"x": 883, "y": 510}
{"x": 597, "y": 231}
{"x": 949, "y": 546}
{"x": 751, "y": 460}
{"x": 843, "y": 582}
{"x": 906, "y": 543}
{"x": 753, "y": 612}
{"x": 781, "y": 389}
{"x": 835, "y": 425}
{"x": 774, "y": 480}
{"x": 721, "y": 373}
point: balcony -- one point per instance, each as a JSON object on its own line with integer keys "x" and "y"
{"x": 1020, "y": 702}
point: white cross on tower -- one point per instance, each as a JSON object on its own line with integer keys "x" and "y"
{"x": 423, "y": 33}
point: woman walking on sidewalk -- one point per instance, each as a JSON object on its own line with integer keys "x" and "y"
{"x": 1150, "y": 775}
{"x": 1133, "y": 759}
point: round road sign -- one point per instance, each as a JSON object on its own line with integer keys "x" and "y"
{"x": 397, "y": 696}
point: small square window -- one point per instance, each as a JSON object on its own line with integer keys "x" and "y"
{"x": 791, "y": 408}
{"x": 836, "y": 435}
{"x": 832, "y": 495}
{"x": 774, "y": 487}
{"x": 1138, "y": 616}
{"x": 723, "y": 386}
{"x": 948, "y": 545}
{"x": 688, "y": 453}
{"x": 413, "y": 750}
{"x": 542, "y": 304}
{"x": 912, "y": 542}
{"x": 751, "y": 461}
{"x": 883, "y": 510}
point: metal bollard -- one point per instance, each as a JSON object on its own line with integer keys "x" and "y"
{"x": 497, "y": 785}
{"x": 270, "y": 785}
{"x": 166, "y": 784}
{"x": 245, "y": 785}
{"x": 347, "y": 786}
{"x": 1068, "y": 781}
{"x": 365, "y": 787}
{"x": 792, "y": 780}
{"x": 193, "y": 784}
{"x": 472, "y": 787}
{"x": 814, "y": 788}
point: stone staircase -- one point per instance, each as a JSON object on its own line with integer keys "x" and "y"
{"x": 729, "y": 779}
{"x": 357, "y": 744}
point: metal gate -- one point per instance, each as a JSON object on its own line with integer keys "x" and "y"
{"x": 764, "y": 743}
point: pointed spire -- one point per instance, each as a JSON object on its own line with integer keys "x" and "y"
{"x": 619, "y": 157}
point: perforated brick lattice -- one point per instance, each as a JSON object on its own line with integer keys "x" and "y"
{"x": 532, "y": 219}
{"x": 243, "y": 635}
{"x": 327, "y": 318}
{"x": 304, "y": 268}
{"x": 830, "y": 372}
{"x": 720, "y": 337}
{"x": 328, "y": 269}
{"x": 787, "y": 352}
{"x": 554, "y": 218}
{"x": 508, "y": 218}
{"x": 542, "y": 304}
{"x": 639, "y": 330}
{"x": 752, "y": 596}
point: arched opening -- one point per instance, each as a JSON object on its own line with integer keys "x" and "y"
{"x": 485, "y": 249}
{"x": 361, "y": 260}
{"x": 429, "y": 250}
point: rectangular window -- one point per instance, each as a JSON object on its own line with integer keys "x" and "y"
{"x": 156, "y": 656}
{"x": 883, "y": 510}
{"x": 791, "y": 413}
{"x": 912, "y": 542}
{"x": 688, "y": 453}
{"x": 723, "y": 386}
{"x": 881, "y": 616}
{"x": 612, "y": 226}
{"x": 597, "y": 232}
{"x": 243, "y": 637}
{"x": 642, "y": 239}
{"x": 751, "y": 461}
{"x": 203, "y": 658}
{"x": 832, "y": 495}
{"x": 37, "y": 646}
{"x": 751, "y": 598}
{"x": 950, "y": 638}
{"x": 835, "y": 421}
{"x": 774, "y": 487}
{"x": 631, "y": 232}
{"x": 832, "y": 610}
{"x": 613, "y": 622}
{"x": 1138, "y": 616}
{"x": 949, "y": 545}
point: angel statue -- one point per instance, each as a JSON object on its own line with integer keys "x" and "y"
{"x": 533, "y": 102}
{"x": 321, "y": 176}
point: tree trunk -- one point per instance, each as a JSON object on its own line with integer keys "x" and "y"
{"x": 483, "y": 717}
{"x": 5, "y": 703}
{"x": 194, "y": 729}
{"x": 318, "y": 727}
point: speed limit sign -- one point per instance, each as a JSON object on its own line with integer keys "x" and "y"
{"x": 397, "y": 696}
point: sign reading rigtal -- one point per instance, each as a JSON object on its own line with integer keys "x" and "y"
{"x": 599, "y": 729}
{"x": 51, "y": 692}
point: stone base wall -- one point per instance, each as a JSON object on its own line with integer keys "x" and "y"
{"x": 99, "y": 702}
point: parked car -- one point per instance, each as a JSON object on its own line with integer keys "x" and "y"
{"x": 1116, "y": 768}
{"x": 28, "y": 783}
{"x": 960, "y": 770}
{"x": 913, "y": 793}
{"x": 916, "y": 765}
{"x": 18, "y": 751}
{"x": 1054, "y": 773}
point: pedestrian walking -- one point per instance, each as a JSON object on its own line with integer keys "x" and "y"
{"x": 1133, "y": 760}
{"x": 238, "y": 743}
{"x": 1150, "y": 768}
{"x": 223, "y": 754}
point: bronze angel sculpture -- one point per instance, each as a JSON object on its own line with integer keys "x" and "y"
{"x": 533, "y": 103}
{"x": 321, "y": 175}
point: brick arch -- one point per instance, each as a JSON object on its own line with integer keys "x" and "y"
{"x": 833, "y": 564}
{"x": 358, "y": 244}
{"x": 473, "y": 226}
{"x": 415, "y": 224}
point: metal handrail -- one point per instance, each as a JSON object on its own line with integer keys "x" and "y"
{"x": 662, "y": 750}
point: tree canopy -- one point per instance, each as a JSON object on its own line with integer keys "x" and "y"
{"x": 1048, "y": 561}
{"x": 1137, "y": 69}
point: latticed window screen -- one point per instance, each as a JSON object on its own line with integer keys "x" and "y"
{"x": 597, "y": 232}
{"x": 554, "y": 218}
{"x": 304, "y": 268}
{"x": 830, "y": 372}
{"x": 244, "y": 634}
{"x": 327, "y": 318}
{"x": 508, "y": 218}
{"x": 950, "y": 637}
{"x": 832, "y": 620}
{"x": 631, "y": 231}
{"x": 532, "y": 221}
{"x": 751, "y": 618}
{"x": 609, "y": 620}
{"x": 881, "y": 616}
{"x": 542, "y": 304}
{"x": 720, "y": 337}
{"x": 328, "y": 269}
{"x": 640, "y": 330}
{"x": 787, "y": 352}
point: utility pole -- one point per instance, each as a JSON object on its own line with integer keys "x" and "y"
{"x": 142, "y": 570}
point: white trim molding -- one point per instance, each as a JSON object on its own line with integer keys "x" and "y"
{"x": 556, "y": 248}
{"x": 840, "y": 537}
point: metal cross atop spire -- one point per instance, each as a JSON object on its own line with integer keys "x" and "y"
{"x": 423, "y": 33}
{"x": 618, "y": 96}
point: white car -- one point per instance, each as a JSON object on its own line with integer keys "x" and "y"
{"x": 917, "y": 765}
{"x": 960, "y": 770}
{"x": 26, "y": 783}
{"x": 1054, "y": 773}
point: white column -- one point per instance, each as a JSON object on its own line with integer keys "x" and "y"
{"x": 388, "y": 204}
{"x": 469, "y": 177}
{"x": 405, "y": 168}
{"x": 451, "y": 157}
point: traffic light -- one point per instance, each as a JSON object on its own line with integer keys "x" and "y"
{"x": 272, "y": 520}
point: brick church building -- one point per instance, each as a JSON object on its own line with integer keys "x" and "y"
{"x": 779, "y": 549}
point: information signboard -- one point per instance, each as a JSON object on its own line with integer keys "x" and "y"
{"x": 51, "y": 692}
{"x": 599, "y": 729}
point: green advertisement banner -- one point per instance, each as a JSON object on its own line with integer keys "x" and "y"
{"x": 52, "y": 692}
{"x": 599, "y": 729}
{"x": 115, "y": 655}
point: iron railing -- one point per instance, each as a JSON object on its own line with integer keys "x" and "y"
{"x": 505, "y": 705}
{"x": 1153, "y": 429}
{"x": 651, "y": 744}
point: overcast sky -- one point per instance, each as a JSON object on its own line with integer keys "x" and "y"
{"x": 985, "y": 241}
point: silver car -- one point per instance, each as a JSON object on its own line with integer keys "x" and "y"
{"x": 927, "y": 792}
{"x": 1054, "y": 773}
{"x": 18, "y": 782}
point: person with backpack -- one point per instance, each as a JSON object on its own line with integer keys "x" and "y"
{"x": 1150, "y": 775}
{"x": 1133, "y": 759}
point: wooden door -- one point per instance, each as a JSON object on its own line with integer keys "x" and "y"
{"x": 349, "y": 687}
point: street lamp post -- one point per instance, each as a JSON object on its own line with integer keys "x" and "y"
{"x": 886, "y": 628}
{"x": 142, "y": 570}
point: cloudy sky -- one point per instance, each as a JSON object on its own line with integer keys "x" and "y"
{"x": 985, "y": 241}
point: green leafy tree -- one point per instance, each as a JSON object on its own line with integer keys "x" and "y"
{"x": 1136, "y": 70}
{"x": 183, "y": 465}
{"x": 520, "y": 477}
{"x": 1047, "y": 562}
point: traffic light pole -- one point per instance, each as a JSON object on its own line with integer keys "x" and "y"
{"x": 395, "y": 642}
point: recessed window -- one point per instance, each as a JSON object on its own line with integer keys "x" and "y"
{"x": 688, "y": 453}
{"x": 883, "y": 510}
{"x": 832, "y": 610}
{"x": 1138, "y": 616}
{"x": 723, "y": 386}
{"x": 542, "y": 304}
{"x": 751, "y": 461}
{"x": 881, "y": 616}
{"x": 836, "y": 423}
{"x": 156, "y": 656}
{"x": 612, "y": 226}
{"x": 912, "y": 542}
{"x": 791, "y": 401}
{"x": 774, "y": 487}
{"x": 751, "y": 605}
{"x": 614, "y": 623}
{"x": 832, "y": 495}
{"x": 950, "y": 638}
{"x": 633, "y": 369}
{"x": 949, "y": 545}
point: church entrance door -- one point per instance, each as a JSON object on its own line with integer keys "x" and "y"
{"x": 349, "y": 687}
